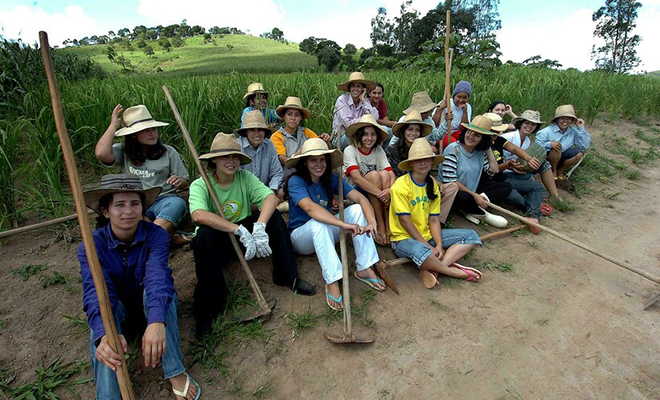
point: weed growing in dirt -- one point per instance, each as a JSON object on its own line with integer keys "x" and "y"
{"x": 331, "y": 316}
{"x": 56, "y": 279}
{"x": 612, "y": 195}
{"x": 6, "y": 377}
{"x": 563, "y": 205}
{"x": 652, "y": 139}
{"x": 78, "y": 324}
{"x": 50, "y": 379}
{"x": 634, "y": 175}
{"x": 28, "y": 270}
{"x": 496, "y": 266}
{"x": 361, "y": 310}
{"x": 298, "y": 322}
{"x": 512, "y": 391}
{"x": 263, "y": 390}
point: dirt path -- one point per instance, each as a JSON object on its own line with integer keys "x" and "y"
{"x": 563, "y": 324}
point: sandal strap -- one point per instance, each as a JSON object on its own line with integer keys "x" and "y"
{"x": 185, "y": 389}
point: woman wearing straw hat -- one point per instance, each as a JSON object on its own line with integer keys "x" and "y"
{"x": 422, "y": 103}
{"x": 314, "y": 229}
{"x": 253, "y": 141}
{"x": 351, "y": 106}
{"x": 256, "y": 98}
{"x": 461, "y": 112}
{"x": 565, "y": 140}
{"x": 134, "y": 258}
{"x": 157, "y": 164}
{"x": 464, "y": 162}
{"x": 502, "y": 109}
{"x": 415, "y": 225}
{"x": 367, "y": 169}
{"x": 410, "y": 128}
{"x": 237, "y": 190}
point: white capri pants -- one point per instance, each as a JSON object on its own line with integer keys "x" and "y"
{"x": 320, "y": 238}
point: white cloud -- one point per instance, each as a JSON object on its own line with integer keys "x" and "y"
{"x": 26, "y": 22}
{"x": 647, "y": 27}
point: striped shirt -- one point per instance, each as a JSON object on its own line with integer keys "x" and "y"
{"x": 462, "y": 166}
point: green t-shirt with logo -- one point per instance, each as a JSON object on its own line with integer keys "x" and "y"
{"x": 235, "y": 200}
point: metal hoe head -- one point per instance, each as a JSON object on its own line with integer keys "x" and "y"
{"x": 347, "y": 339}
{"x": 258, "y": 312}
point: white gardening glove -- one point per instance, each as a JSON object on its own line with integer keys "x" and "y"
{"x": 248, "y": 242}
{"x": 261, "y": 239}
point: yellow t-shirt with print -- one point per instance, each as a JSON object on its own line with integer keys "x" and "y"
{"x": 409, "y": 198}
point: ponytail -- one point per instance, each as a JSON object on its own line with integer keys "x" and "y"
{"x": 430, "y": 188}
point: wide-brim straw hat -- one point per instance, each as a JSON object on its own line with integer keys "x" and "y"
{"x": 316, "y": 147}
{"x": 420, "y": 150}
{"x": 412, "y": 117}
{"x": 253, "y": 119}
{"x": 225, "y": 144}
{"x": 529, "y": 115}
{"x": 356, "y": 77}
{"x": 496, "y": 120}
{"x": 294, "y": 103}
{"x": 366, "y": 120}
{"x": 119, "y": 183}
{"x": 566, "y": 110}
{"x": 480, "y": 124}
{"x": 253, "y": 88}
{"x": 421, "y": 101}
{"x": 136, "y": 119}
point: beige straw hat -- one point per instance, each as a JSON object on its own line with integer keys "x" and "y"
{"x": 367, "y": 120}
{"x": 566, "y": 110}
{"x": 420, "y": 149}
{"x": 412, "y": 117}
{"x": 496, "y": 120}
{"x": 357, "y": 77}
{"x": 253, "y": 88}
{"x": 529, "y": 115}
{"x": 253, "y": 119}
{"x": 480, "y": 124}
{"x": 292, "y": 102}
{"x": 136, "y": 119}
{"x": 316, "y": 147}
{"x": 225, "y": 144}
{"x": 421, "y": 101}
{"x": 119, "y": 183}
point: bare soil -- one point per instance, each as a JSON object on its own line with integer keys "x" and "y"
{"x": 563, "y": 324}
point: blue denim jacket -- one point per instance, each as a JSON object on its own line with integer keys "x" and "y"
{"x": 129, "y": 270}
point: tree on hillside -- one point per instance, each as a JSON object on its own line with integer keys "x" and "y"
{"x": 350, "y": 49}
{"x": 615, "y": 23}
{"x": 309, "y": 45}
{"x": 123, "y": 32}
{"x": 328, "y": 54}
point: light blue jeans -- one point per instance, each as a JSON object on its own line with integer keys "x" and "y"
{"x": 107, "y": 387}
{"x": 170, "y": 208}
{"x": 419, "y": 252}
{"x": 527, "y": 194}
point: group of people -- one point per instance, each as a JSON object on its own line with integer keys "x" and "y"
{"x": 401, "y": 177}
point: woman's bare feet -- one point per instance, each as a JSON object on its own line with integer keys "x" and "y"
{"x": 179, "y": 384}
{"x": 375, "y": 281}
{"x": 333, "y": 296}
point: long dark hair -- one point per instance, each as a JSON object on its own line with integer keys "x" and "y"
{"x": 483, "y": 145}
{"x": 133, "y": 150}
{"x": 401, "y": 147}
{"x": 494, "y": 104}
{"x": 104, "y": 204}
{"x": 250, "y": 100}
{"x": 519, "y": 123}
{"x": 430, "y": 187}
{"x": 357, "y": 137}
{"x": 303, "y": 172}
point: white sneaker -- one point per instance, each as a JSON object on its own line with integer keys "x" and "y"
{"x": 474, "y": 218}
{"x": 494, "y": 220}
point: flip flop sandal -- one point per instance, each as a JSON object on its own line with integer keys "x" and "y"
{"x": 428, "y": 279}
{"x": 380, "y": 239}
{"x": 370, "y": 281}
{"x": 546, "y": 210}
{"x": 189, "y": 379}
{"x": 474, "y": 275}
{"x": 329, "y": 297}
{"x": 533, "y": 229}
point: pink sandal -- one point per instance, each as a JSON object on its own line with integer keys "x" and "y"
{"x": 474, "y": 275}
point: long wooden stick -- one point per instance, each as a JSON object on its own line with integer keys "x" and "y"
{"x": 83, "y": 219}
{"x": 40, "y": 225}
{"x": 447, "y": 77}
{"x": 578, "y": 244}
{"x": 348, "y": 323}
{"x": 253, "y": 283}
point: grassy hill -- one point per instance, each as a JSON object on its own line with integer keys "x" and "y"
{"x": 226, "y": 53}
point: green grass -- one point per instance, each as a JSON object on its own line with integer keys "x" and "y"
{"x": 50, "y": 381}
{"x": 29, "y": 270}
{"x": 634, "y": 175}
{"x": 496, "y": 266}
{"x": 55, "y": 279}
{"x": 563, "y": 205}
{"x": 299, "y": 322}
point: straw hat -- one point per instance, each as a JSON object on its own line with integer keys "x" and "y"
{"x": 253, "y": 88}
{"x": 566, "y": 110}
{"x": 225, "y": 144}
{"x": 292, "y": 102}
{"x": 412, "y": 117}
{"x": 119, "y": 183}
{"x": 316, "y": 147}
{"x": 496, "y": 120}
{"x": 529, "y": 115}
{"x": 421, "y": 101}
{"x": 136, "y": 119}
{"x": 366, "y": 120}
{"x": 480, "y": 124}
{"x": 420, "y": 149}
{"x": 253, "y": 119}
{"x": 356, "y": 77}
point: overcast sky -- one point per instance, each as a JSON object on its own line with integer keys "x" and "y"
{"x": 560, "y": 29}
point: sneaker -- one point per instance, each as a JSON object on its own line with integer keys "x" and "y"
{"x": 474, "y": 218}
{"x": 303, "y": 287}
{"x": 494, "y": 220}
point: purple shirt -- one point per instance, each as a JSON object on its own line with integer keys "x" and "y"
{"x": 347, "y": 113}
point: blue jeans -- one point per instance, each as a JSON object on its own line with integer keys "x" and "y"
{"x": 527, "y": 194}
{"x": 419, "y": 252}
{"x": 170, "y": 208}
{"x": 107, "y": 387}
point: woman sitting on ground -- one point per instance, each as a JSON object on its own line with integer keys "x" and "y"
{"x": 565, "y": 140}
{"x": 134, "y": 255}
{"x": 502, "y": 109}
{"x": 422, "y": 103}
{"x": 314, "y": 229}
{"x": 376, "y": 100}
{"x": 367, "y": 169}
{"x": 236, "y": 190}
{"x": 156, "y": 164}
{"x": 256, "y": 98}
{"x": 464, "y": 162}
{"x": 351, "y": 106}
{"x": 253, "y": 141}
{"x": 461, "y": 113}
{"x": 415, "y": 226}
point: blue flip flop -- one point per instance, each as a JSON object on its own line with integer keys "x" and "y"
{"x": 370, "y": 281}
{"x": 329, "y": 297}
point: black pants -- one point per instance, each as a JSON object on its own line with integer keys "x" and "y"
{"x": 496, "y": 191}
{"x": 212, "y": 250}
